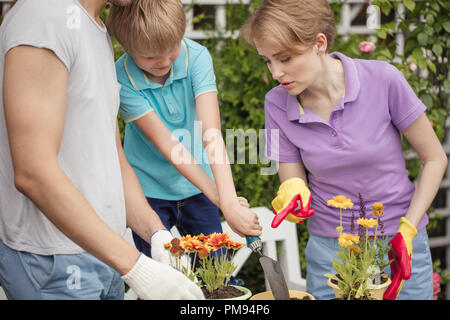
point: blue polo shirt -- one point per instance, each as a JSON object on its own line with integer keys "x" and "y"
{"x": 192, "y": 74}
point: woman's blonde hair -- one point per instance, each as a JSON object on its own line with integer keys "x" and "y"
{"x": 148, "y": 27}
{"x": 289, "y": 23}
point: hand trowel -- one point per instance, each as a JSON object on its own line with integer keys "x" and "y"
{"x": 272, "y": 270}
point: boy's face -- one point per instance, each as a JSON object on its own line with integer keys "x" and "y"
{"x": 157, "y": 66}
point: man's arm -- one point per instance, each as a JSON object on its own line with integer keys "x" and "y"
{"x": 34, "y": 92}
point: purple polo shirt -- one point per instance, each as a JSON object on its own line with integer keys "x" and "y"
{"x": 358, "y": 151}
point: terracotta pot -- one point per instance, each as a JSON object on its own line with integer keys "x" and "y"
{"x": 246, "y": 293}
{"x": 267, "y": 295}
{"x": 376, "y": 293}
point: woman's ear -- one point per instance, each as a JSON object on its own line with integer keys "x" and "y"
{"x": 321, "y": 44}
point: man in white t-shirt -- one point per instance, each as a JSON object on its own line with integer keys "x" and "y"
{"x": 67, "y": 191}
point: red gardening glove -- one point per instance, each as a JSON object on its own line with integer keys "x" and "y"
{"x": 401, "y": 253}
{"x": 289, "y": 203}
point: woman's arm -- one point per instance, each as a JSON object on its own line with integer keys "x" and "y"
{"x": 287, "y": 170}
{"x": 425, "y": 142}
{"x": 241, "y": 219}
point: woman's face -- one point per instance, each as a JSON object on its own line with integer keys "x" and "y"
{"x": 294, "y": 71}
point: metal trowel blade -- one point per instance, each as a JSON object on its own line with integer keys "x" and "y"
{"x": 274, "y": 275}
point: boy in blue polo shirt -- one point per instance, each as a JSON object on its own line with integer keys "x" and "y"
{"x": 172, "y": 140}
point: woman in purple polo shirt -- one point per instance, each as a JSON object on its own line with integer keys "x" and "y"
{"x": 341, "y": 120}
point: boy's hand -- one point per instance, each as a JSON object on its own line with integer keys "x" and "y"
{"x": 152, "y": 280}
{"x": 243, "y": 202}
{"x": 241, "y": 219}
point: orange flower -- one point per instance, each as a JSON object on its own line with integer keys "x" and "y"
{"x": 218, "y": 240}
{"x": 175, "y": 242}
{"x": 378, "y": 209}
{"x": 167, "y": 245}
{"x": 356, "y": 250}
{"x": 202, "y": 237}
{"x": 187, "y": 237}
{"x": 230, "y": 244}
{"x": 204, "y": 252}
{"x": 176, "y": 250}
{"x": 192, "y": 244}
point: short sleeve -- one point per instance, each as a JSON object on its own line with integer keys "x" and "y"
{"x": 133, "y": 105}
{"x": 278, "y": 147}
{"x": 404, "y": 106}
{"x": 42, "y": 24}
{"x": 202, "y": 73}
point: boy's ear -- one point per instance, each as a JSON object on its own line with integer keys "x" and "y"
{"x": 321, "y": 44}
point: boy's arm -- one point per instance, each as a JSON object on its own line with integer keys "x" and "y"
{"x": 34, "y": 92}
{"x": 141, "y": 218}
{"x": 241, "y": 219}
{"x": 174, "y": 151}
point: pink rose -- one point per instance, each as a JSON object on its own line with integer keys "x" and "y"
{"x": 413, "y": 67}
{"x": 436, "y": 285}
{"x": 366, "y": 47}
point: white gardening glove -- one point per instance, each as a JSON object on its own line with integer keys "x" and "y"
{"x": 152, "y": 280}
{"x": 157, "y": 241}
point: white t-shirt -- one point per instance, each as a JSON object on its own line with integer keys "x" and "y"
{"x": 88, "y": 153}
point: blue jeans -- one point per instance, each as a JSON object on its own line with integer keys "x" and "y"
{"x": 28, "y": 276}
{"x": 320, "y": 251}
{"x": 193, "y": 215}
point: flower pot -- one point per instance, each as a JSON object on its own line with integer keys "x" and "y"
{"x": 246, "y": 293}
{"x": 376, "y": 293}
{"x": 267, "y": 295}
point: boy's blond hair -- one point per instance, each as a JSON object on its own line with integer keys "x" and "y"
{"x": 289, "y": 23}
{"x": 148, "y": 27}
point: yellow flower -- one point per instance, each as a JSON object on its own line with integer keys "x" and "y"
{"x": 378, "y": 209}
{"x": 368, "y": 223}
{"x": 341, "y": 202}
{"x": 347, "y": 240}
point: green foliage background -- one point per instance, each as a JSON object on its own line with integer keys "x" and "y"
{"x": 243, "y": 80}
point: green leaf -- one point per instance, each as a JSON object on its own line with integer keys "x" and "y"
{"x": 380, "y": 33}
{"x": 386, "y": 7}
{"x": 446, "y": 26}
{"x": 447, "y": 85}
{"x": 422, "y": 38}
{"x": 437, "y": 49}
{"x": 409, "y": 4}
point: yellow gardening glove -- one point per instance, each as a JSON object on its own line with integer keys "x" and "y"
{"x": 401, "y": 254}
{"x": 292, "y": 202}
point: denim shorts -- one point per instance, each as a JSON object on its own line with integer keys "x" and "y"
{"x": 193, "y": 215}
{"x": 28, "y": 276}
{"x": 320, "y": 251}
